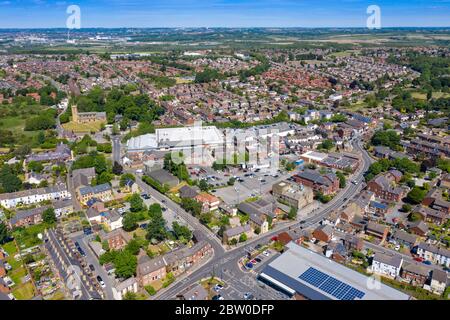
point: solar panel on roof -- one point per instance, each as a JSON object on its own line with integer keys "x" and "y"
{"x": 330, "y": 285}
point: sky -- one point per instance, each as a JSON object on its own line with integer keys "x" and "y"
{"x": 223, "y": 13}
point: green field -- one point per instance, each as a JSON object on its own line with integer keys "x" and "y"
{"x": 423, "y": 96}
{"x": 82, "y": 127}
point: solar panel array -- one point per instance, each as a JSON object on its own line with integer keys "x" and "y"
{"x": 331, "y": 285}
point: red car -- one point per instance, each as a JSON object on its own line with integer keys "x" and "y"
{"x": 419, "y": 259}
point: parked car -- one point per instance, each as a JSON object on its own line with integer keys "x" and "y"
{"x": 100, "y": 280}
{"x": 418, "y": 259}
{"x": 266, "y": 253}
{"x": 258, "y": 260}
{"x": 254, "y": 261}
{"x": 218, "y": 297}
{"x": 91, "y": 267}
{"x": 248, "y": 296}
{"x": 428, "y": 263}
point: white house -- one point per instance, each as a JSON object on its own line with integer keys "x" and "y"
{"x": 122, "y": 288}
{"x": 27, "y": 197}
{"x": 387, "y": 265}
{"x": 434, "y": 254}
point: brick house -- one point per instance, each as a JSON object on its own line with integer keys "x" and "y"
{"x": 326, "y": 184}
{"x": 384, "y": 186}
{"x": 150, "y": 270}
{"x": 323, "y": 233}
{"x": 117, "y": 239}
{"x": 377, "y": 230}
{"x": 415, "y": 273}
{"x": 208, "y": 201}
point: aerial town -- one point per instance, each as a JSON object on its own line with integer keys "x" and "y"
{"x": 227, "y": 171}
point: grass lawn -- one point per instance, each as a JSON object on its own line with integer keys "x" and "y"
{"x": 28, "y": 237}
{"x": 423, "y": 96}
{"x": 10, "y": 248}
{"x": 58, "y": 295}
{"x": 17, "y": 275}
{"x": 83, "y": 127}
{"x": 16, "y": 125}
{"x": 24, "y": 292}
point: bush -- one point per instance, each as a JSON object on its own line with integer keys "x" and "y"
{"x": 150, "y": 290}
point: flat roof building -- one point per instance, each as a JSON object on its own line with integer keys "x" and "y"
{"x": 306, "y": 273}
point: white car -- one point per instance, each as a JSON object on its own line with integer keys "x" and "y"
{"x": 266, "y": 253}
{"x": 397, "y": 247}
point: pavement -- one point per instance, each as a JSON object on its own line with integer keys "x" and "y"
{"x": 116, "y": 149}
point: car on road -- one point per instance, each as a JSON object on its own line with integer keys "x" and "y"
{"x": 100, "y": 280}
{"x": 91, "y": 267}
{"x": 248, "y": 296}
{"x": 302, "y": 222}
{"x": 217, "y": 297}
{"x": 81, "y": 251}
{"x": 164, "y": 209}
{"x": 266, "y": 253}
{"x": 218, "y": 287}
{"x": 163, "y": 201}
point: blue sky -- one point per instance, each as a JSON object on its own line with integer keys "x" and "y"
{"x": 223, "y": 13}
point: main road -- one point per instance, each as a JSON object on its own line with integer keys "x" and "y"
{"x": 226, "y": 262}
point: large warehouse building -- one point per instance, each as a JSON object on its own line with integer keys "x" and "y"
{"x": 177, "y": 139}
{"x": 315, "y": 277}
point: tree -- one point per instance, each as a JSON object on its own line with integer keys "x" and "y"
{"x": 133, "y": 247}
{"x": 181, "y": 232}
{"x": 326, "y": 144}
{"x": 130, "y": 222}
{"x": 406, "y": 207}
{"x": 243, "y": 237}
{"x": 203, "y": 185}
{"x": 49, "y": 216}
{"x": 35, "y": 166}
{"x": 342, "y": 179}
{"x": 136, "y": 203}
{"x": 156, "y": 228}
{"x": 231, "y": 181}
{"x": 125, "y": 178}
{"x": 117, "y": 168}
{"x": 3, "y": 233}
{"x": 292, "y": 215}
{"x": 416, "y": 195}
{"x": 192, "y": 206}
{"x": 125, "y": 264}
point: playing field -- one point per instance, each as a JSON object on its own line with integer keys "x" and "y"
{"x": 83, "y": 127}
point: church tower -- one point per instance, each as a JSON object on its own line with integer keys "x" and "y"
{"x": 75, "y": 113}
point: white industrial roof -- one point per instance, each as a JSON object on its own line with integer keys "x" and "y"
{"x": 317, "y": 156}
{"x": 147, "y": 141}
